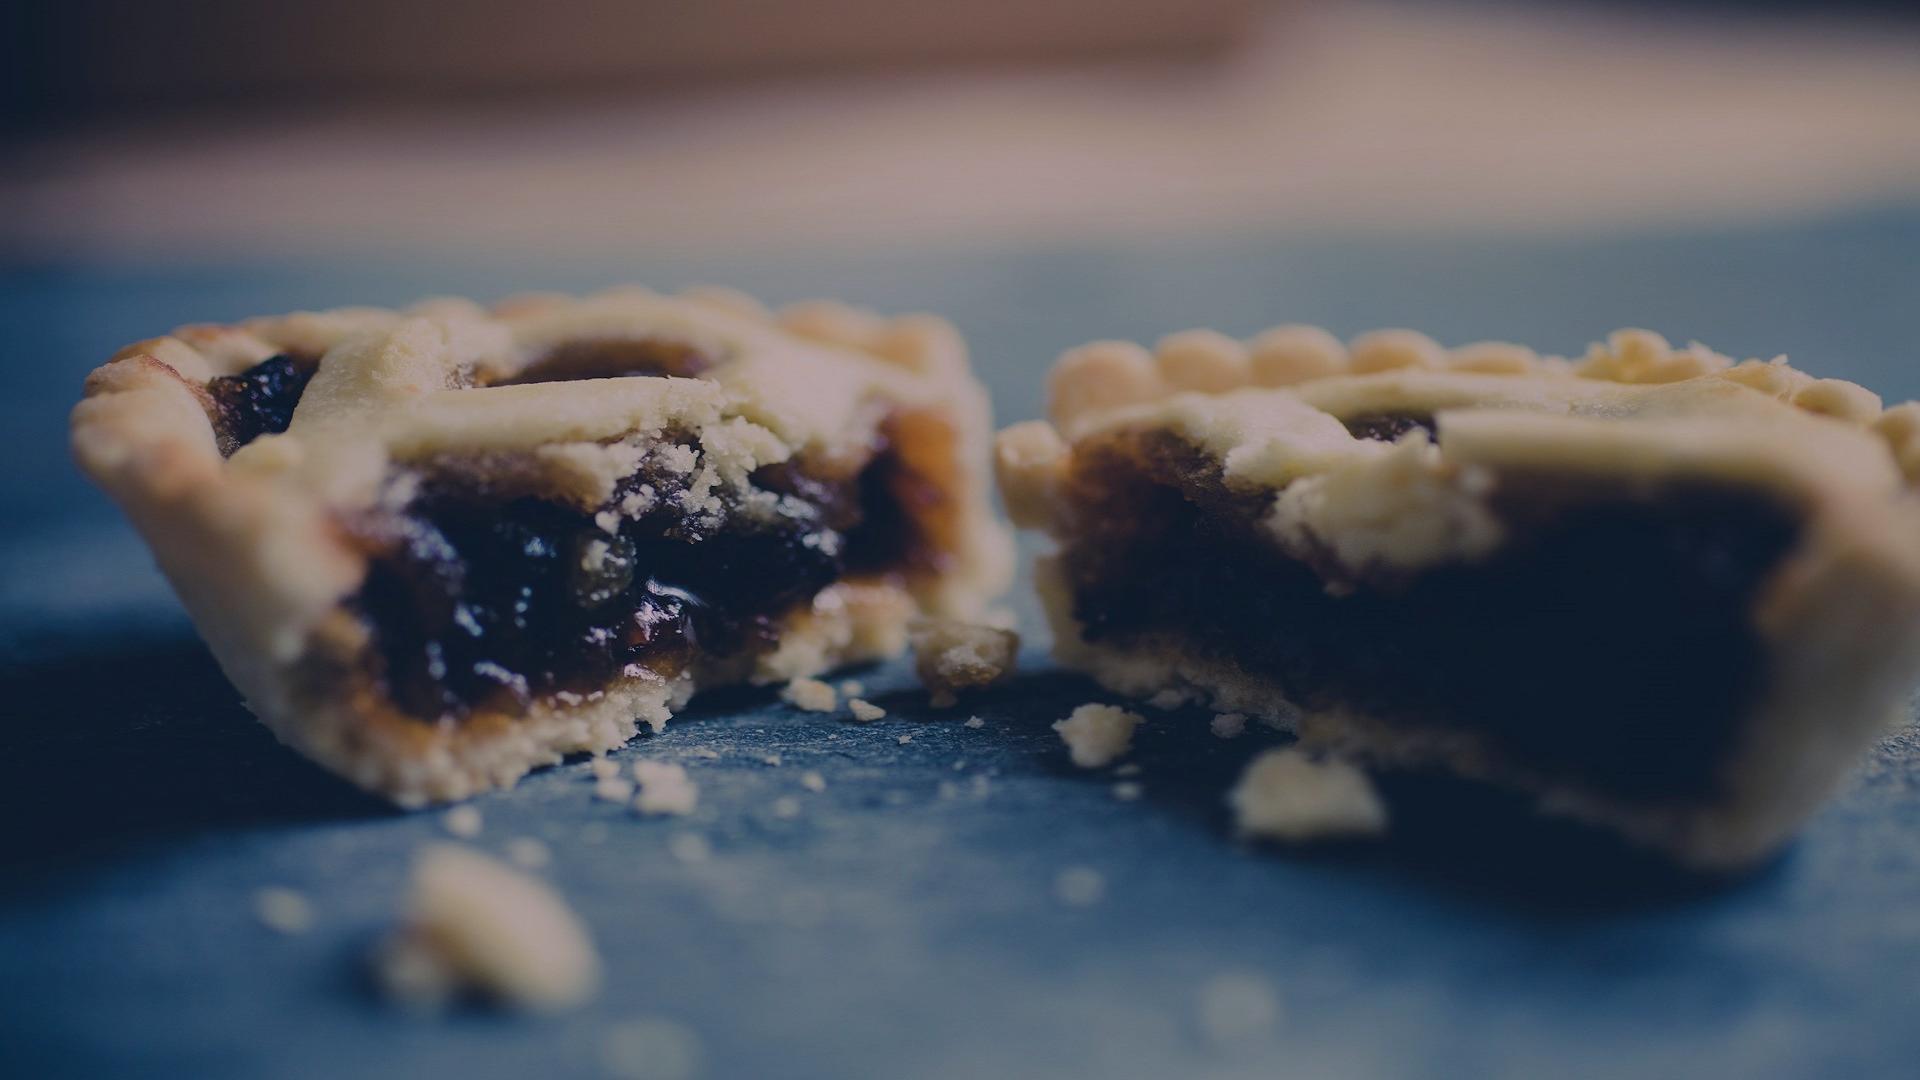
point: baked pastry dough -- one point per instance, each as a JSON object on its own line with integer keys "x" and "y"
{"x": 1656, "y": 589}
{"x": 438, "y": 547}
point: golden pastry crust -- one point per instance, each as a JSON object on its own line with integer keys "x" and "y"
{"x": 1281, "y": 419}
{"x": 251, "y": 536}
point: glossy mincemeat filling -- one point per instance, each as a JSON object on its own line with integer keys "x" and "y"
{"x": 1608, "y": 642}
{"x": 478, "y": 603}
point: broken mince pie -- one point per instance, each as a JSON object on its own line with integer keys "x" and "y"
{"x": 437, "y": 548}
{"x": 1667, "y": 593}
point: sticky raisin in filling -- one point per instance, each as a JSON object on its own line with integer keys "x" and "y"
{"x": 258, "y": 401}
{"x": 1609, "y": 642}
{"x": 480, "y": 603}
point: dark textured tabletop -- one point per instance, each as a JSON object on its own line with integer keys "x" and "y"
{"x": 907, "y": 922}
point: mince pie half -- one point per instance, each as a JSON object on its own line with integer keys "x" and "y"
{"x": 1671, "y": 594}
{"x": 436, "y": 548}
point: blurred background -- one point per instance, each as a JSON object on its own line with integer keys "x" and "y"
{"x": 217, "y": 128}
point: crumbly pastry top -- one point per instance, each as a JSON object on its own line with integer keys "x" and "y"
{"x": 1278, "y": 408}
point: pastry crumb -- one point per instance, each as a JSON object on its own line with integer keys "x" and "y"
{"x": 975, "y": 722}
{"x": 1230, "y": 725}
{"x": 472, "y": 923}
{"x": 865, "y": 711}
{"x": 463, "y": 822}
{"x": 1079, "y": 886}
{"x": 1286, "y": 795}
{"x": 853, "y": 687}
{"x": 689, "y": 847}
{"x": 813, "y": 781}
{"x": 1097, "y": 735}
{"x": 771, "y": 759}
{"x": 951, "y": 655}
{"x": 1236, "y": 1007}
{"x": 528, "y": 853}
{"x": 1131, "y": 768}
{"x": 665, "y": 788}
{"x": 604, "y": 768}
{"x": 904, "y": 740}
{"x": 283, "y": 909}
{"x": 1128, "y": 791}
{"x": 651, "y": 1048}
{"x": 613, "y": 789}
{"x": 786, "y": 807}
{"x": 810, "y": 695}
{"x": 1168, "y": 699}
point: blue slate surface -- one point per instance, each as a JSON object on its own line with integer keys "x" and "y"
{"x": 904, "y": 923}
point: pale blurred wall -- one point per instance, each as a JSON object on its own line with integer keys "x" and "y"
{"x": 1351, "y": 115}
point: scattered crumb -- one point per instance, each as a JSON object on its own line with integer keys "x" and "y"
{"x": 1079, "y": 886}
{"x": 463, "y": 821}
{"x": 981, "y": 786}
{"x": 811, "y": 695}
{"x": 651, "y": 1048}
{"x": 689, "y": 847}
{"x": 947, "y": 789}
{"x": 786, "y": 807}
{"x": 604, "y": 768}
{"x": 283, "y": 909}
{"x": 771, "y": 759}
{"x": 665, "y": 788}
{"x": 904, "y": 740}
{"x": 975, "y": 722}
{"x": 1286, "y": 795}
{"x": 1168, "y": 699}
{"x": 853, "y": 687}
{"x": 615, "y": 789}
{"x": 1228, "y": 725}
{"x": 707, "y": 752}
{"x": 473, "y": 923}
{"x": 1096, "y": 735}
{"x": 1131, "y": 768}
{"x": 951, "y": 655}
{"x": 1235, "y": 1007}
{"x": 865, "y": 711}
{"x": 959, "y": 764}
{"x": 529, "y": 853}
{"x": 1127, "y": 791}
{"x": 813, "y": 781}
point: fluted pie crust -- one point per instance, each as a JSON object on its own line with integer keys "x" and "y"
{"x": 1653, "y": 588}
{"x": 435, "y": 548}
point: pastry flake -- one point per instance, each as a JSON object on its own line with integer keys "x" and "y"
{"x": 1663, "y": 591}
{"x": 437, "y": 547}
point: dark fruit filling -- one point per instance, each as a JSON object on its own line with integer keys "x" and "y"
{"x": 479, "y": 603}
{"x": 1609, "y": 642}
{"x": 613, "y": 358}
{"x": 258, "y": 401}
{"x": 1387, "y": 427}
